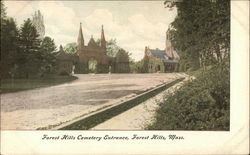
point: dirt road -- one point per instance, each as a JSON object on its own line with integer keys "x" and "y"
{"x": 41, "y": 107}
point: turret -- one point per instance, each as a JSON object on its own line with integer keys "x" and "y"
{"x": 80, "y": 40}
{"x": 103, "y": 41}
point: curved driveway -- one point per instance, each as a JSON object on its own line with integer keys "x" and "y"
{"x": 41, "y": 107}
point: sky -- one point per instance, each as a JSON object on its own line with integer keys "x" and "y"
{"x": 134, "y": 24}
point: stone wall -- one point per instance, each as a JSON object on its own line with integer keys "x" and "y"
{"x": 155, "y": 65}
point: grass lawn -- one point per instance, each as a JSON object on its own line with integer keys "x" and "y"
{"x": 9, "y": 85}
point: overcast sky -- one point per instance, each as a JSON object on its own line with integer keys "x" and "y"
{"x": 133, "y": 24}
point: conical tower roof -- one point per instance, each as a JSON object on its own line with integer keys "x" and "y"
{"x": 80, "y": 39}
{"x": 103, "y": 41}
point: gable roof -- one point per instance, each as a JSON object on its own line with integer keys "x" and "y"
{"x": 62, "y": 55}
{"x": 162, "y": 55}
{"x": 158, "y": 53}
{"x": 92, "y": 43}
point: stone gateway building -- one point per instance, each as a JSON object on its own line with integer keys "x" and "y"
{"x": 156, "y": 60}
{"x": 65, "y": 62}
{"x": 93, "y": 58}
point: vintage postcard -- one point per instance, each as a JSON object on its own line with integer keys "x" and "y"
{"x": 130, "y": 77}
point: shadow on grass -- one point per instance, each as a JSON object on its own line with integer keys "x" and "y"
{"x": 14, "y": 85}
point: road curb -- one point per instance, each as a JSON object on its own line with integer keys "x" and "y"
{"x": 90, "y": 120}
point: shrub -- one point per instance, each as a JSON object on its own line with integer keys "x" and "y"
{"x": 64, "y": 73}
{"x": 202, "y": 104}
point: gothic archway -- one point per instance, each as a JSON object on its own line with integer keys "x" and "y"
{"x": 92, "y": 65}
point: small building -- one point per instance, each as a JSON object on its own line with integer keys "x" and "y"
{"x": 65, "y": 62}
{"x": 156, "y": 60}
{"x": 122, "y": 62}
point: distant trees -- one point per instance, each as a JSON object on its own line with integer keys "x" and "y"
{"x": 23, "y": 53}
{"x": 112, "y": 47}
{"x": 71, "y": 48}
{"x": 37, "y": 21}
{"x": 139, "y": 66}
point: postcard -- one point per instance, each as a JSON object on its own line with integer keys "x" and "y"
{"x": 124, "y": 77}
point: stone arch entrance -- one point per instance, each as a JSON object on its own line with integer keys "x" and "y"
{"x": 92, "y": 65}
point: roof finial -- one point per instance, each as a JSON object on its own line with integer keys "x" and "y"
{"x": 103, "y": 41}
{"x": 91, "y": 35}
{"x": 80, "y": 39}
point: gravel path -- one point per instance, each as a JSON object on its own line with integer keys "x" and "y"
{"x": 41, "y": 107}
{"x": 138, "y": 117}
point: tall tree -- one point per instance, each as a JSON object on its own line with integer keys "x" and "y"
{"x": 9, "y": 39}
{"x": 37, "y": 21}
{"x": 202, "y": 30}
{"x": 9, "y": 43}
{"x": 48, "y": 49}
{"x": 30, "y": 54}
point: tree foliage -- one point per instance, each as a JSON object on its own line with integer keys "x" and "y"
{"x": 9, "y": 43}
{"x": 201, "y": 31}
{"x": 112, "y": 47}
{"x": 3, "y": 11}
{"x": 48, "y": 45}
{"x": 30, "y": 54}
{"x": 48, "y": 49}
{"x": 201, "y": 34}
{"x": 202, "y": 104}
{"x": 37, "y": 21}
{"x": 23, "y": 54}
{"x": 71, "y": 48}
{"x": 9, "y": 39}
